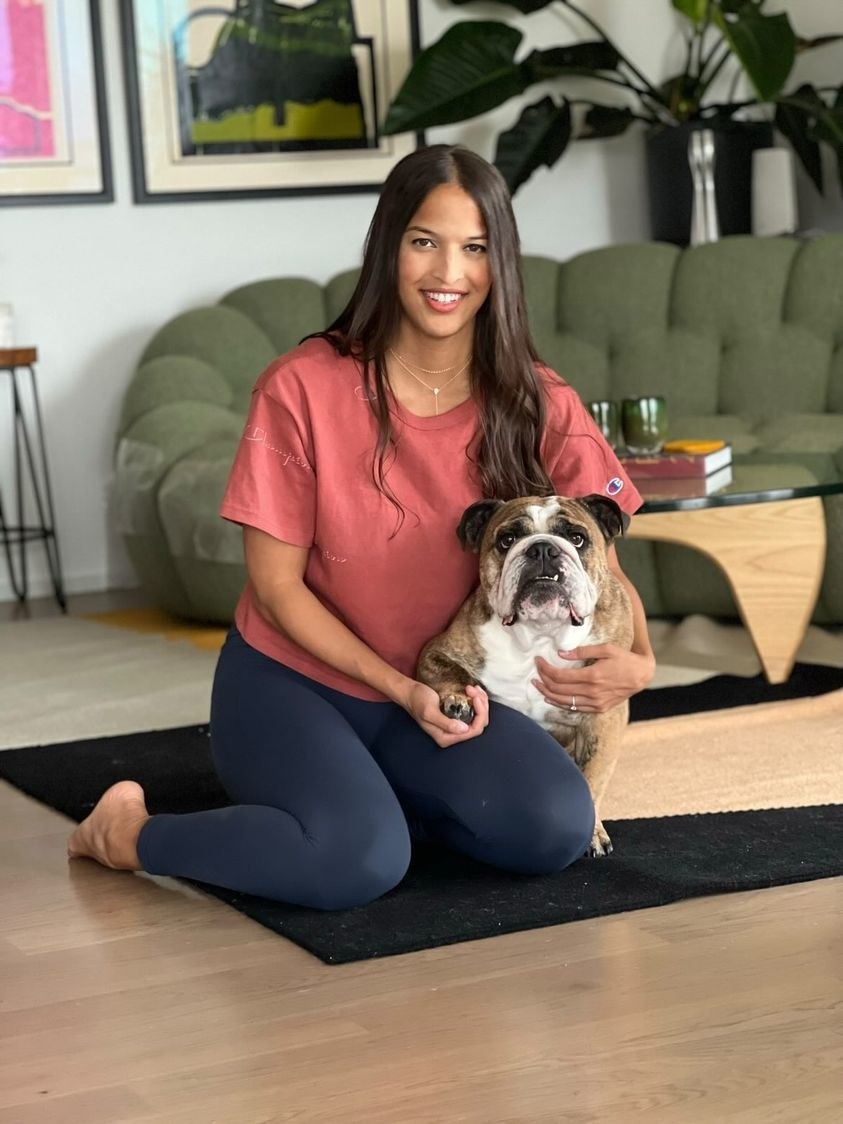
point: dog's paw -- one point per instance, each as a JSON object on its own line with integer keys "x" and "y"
{"x": 601, "y": 844}
{"x": 457, "y": 706}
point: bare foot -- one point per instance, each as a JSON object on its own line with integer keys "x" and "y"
{"x": 110, "y": 833}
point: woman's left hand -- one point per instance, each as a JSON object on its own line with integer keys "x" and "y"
{"x": 613, "y": 676}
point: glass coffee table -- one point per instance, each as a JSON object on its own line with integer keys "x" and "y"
{"x": 766, "y": 531}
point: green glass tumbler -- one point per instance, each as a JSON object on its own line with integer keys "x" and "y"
{"x": 607, "y": 416}
{"x": 644, "y": 424}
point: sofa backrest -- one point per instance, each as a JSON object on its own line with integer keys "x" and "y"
{"x": 745, "y": 326}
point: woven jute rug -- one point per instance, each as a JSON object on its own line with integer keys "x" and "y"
{"x": 772, "y": 755}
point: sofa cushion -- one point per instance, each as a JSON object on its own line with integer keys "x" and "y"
{"x": 802, "y": 433}
{"x": 225, "y": 338}
{"x": 285, "y": 309}
{"x": 188, "y": 502}
{"x": 173, "y": 378}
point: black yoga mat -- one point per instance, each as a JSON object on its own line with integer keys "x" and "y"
{"x": 446, "y": 898}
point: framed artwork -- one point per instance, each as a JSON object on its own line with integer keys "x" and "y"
{"x": 244, "y": 98}
{"x": 53, "y": 125}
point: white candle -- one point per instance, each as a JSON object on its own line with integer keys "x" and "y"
{"x": 7, "y": 325}
{"x": 774, "y": 208}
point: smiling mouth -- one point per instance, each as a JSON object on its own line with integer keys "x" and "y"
{"x": 442, "y": 301}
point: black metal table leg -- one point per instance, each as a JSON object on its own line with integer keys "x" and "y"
{"x": 34, "y": 461}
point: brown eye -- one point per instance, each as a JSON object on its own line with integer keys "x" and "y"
{"x": 506, "y": 540}
{"x": 576, "y": 540}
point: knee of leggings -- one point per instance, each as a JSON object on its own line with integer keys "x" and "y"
{"x": 549, "y": 831}
{"x": 366, "y": 861}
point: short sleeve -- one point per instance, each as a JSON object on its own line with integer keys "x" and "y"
{"x": 272, "y": 484}
{"x": 579, "y": 460}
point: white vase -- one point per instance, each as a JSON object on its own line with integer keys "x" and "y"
{"x": 705, "y": 224}
{"x": 774, "y": 209}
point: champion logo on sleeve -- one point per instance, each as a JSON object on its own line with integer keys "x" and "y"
{"x": 614, "y": 486}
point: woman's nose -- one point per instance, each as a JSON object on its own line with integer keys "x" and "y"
{"x": 448, "y": 266}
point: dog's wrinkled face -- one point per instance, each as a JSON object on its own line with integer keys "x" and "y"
{"x": 541, "y": 557}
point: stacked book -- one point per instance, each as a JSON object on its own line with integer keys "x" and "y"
{"x": 681, "y": 469}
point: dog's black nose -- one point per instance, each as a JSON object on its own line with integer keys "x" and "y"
{"x": 543, "y": 551}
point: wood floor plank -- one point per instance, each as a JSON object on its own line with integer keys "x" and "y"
{"x": 114, "y": 1105}
{"x": 21, "y": 817}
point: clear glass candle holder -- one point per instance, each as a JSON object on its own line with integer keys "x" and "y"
{"x": 607, "y": 417}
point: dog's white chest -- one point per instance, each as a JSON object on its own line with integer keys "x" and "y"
{"x": 510, "y": 666}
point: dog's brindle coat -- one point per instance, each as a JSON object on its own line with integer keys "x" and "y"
{"x": 545, "y": 586}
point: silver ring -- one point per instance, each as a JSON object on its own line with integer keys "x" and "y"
{"x": 573, "y": 705}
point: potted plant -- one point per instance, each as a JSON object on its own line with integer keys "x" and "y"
{"x": 474, "y": 67}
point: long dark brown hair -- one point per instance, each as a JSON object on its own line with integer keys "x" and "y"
{"x": 504, "y": 382}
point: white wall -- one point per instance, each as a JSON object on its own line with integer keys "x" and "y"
{"x": 90, "y": 284}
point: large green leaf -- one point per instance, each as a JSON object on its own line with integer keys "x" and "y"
{"x": 812, "y": 121}
{"x": 588, "y": 59}
{"x": 765, "y": 47}
{"x": 828, "y": 125}
{"x": 794, "y": 119}
{"x": 828, "y": 128}
{"x": 605, "y": 121}
{"x": 470, "y": 70}
{"x": 539, "y": 136}
{"x": 525, "y": 6}
{"x": 738, "y": 7}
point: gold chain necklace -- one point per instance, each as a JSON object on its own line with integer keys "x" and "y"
{"x": 434, "y": 390}
{"x": 424, "y": 370}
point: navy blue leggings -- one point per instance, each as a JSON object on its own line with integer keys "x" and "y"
{"x": 328, "y": 789}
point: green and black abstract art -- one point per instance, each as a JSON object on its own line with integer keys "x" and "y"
{"x": 259, "y": 76}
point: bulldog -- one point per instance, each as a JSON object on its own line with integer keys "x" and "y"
{"x": 545, "y": 585}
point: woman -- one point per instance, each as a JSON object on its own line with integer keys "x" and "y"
{"x": 362, "y": 448}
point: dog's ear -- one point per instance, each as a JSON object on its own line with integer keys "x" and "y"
{"x": 474, "y": 521}
{"x": 610, "y": 518}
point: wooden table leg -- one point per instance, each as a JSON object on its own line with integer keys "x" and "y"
{"x": 772, "y": 555}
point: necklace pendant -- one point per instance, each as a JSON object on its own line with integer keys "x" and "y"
{"x": 436, "y": 390}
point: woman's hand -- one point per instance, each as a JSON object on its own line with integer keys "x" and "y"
{"x": 422, "y": 703}
{"x": 613, "y": 676}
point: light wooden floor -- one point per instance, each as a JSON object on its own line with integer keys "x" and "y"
{"x": 125, "y": 998}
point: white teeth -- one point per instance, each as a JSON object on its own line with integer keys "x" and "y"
{"x": 444, "y": 298}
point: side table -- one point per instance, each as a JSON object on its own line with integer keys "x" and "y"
{"x": 30, "y": 457}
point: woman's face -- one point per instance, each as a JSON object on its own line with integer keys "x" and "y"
{"x": 443, "y": 270}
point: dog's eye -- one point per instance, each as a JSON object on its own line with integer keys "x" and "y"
{"x": 576, "y": 540}
{"x": 506, "y": 540}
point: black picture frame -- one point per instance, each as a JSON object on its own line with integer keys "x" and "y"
{"x": 79, "y": 170}
{"x": 179, "y": 110}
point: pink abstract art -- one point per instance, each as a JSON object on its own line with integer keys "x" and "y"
{"x": 26, "y": 107}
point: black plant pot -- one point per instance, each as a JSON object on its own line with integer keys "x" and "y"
{"x": 671, "y": 188}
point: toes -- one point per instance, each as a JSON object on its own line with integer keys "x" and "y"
{"x": 601, "y": 845}
{"x": 457, "y": 706}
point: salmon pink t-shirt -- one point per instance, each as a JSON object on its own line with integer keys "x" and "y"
{"x": 303, "y": 473}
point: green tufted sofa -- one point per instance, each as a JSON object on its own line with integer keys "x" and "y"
{"x": 744, "y": 337}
